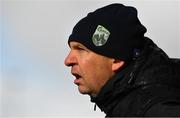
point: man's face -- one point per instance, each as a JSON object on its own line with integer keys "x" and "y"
{"x": 91, "y": 70}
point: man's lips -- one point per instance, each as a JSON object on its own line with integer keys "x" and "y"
{"x": 77, "y": 80}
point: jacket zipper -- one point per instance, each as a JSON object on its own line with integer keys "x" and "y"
{"x": 95, "y": 107}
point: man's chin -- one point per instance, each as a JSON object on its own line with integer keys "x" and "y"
{"x": 86, "y": 92}
{"x": 83, "y": 90}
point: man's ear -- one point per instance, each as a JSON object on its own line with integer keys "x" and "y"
{"x": 117, "y": 64}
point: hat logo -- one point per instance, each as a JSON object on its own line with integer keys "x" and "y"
{"x": 100, "y": 36}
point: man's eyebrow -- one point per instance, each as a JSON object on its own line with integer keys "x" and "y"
{"x": 77, "y": 46}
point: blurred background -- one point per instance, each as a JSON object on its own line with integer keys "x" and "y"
{"x": 33, "y": 44}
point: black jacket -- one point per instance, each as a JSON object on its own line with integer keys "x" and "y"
{"x": 149, "y": 86}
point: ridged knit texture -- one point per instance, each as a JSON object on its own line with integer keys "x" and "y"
{"x": 126, "y": 31}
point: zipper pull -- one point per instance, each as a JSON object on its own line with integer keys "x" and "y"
{"x": 95, "y": 107}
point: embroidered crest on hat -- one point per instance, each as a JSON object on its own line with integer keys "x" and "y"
{"x": 100, "y": 36}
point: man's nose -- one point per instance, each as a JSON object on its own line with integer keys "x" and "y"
{"x": 70, "y": 60}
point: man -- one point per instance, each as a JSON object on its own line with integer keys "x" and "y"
{"x": 123, "y": 71}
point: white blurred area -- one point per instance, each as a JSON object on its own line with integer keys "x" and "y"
{"x": 34, "y": 81}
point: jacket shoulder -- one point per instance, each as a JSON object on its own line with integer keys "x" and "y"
{"x": 159, "y": 100}
{"x": 164, "y": 109}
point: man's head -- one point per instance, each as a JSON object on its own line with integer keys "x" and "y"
{"x": 91, "y": 70}
{"x": 101, "y": 43}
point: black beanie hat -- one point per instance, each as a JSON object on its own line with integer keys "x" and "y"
{"x": 113, "y": 31}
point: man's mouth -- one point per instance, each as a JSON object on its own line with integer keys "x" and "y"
{"x": 77, "y": 76}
